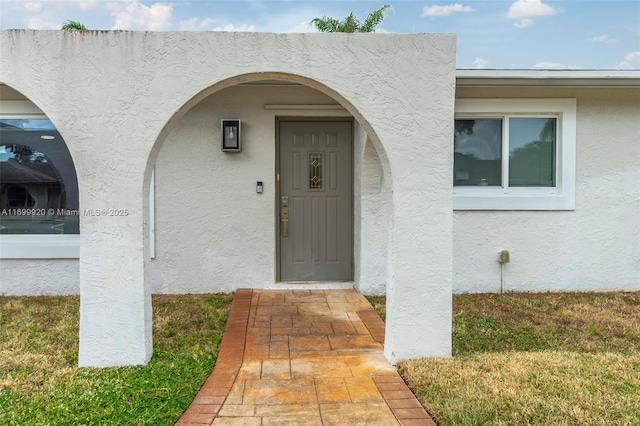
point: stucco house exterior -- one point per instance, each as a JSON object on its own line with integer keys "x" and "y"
{"x": 360, "y": 161}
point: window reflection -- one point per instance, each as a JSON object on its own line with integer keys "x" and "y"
{"x": 532, "y": 148}
{"x": 478, "y": 152}
{"x": 38, "y": 183}
{"x": 531, "y": 143}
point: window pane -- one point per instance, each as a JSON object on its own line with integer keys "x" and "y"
{"x": 38, "y": 183}
{"x": 478, "y": 152}
{"x": 532, "y": 152}
{"x": 316, "y": 166}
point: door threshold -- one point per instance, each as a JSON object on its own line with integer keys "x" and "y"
{"x": 311, "y": 285}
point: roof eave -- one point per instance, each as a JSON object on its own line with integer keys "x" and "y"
{"x": 548, "y": 78}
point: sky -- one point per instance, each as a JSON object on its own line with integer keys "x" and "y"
{"x": 491, "y": 34}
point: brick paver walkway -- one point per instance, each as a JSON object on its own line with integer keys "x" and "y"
{"x": 303, "y": 357}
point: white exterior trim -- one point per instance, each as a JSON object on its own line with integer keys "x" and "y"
{"x": 40, "y": 246}
{"x": 23, "y": 109}
{"x": 556, "y": 78}
{"x": 297, "y": 107}
{"x": 561, "y": 197}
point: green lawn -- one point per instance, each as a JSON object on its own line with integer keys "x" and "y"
{"x": 561, "y": 358}
{"x": 535, "y": 359}
{"x": 41, "y": 385}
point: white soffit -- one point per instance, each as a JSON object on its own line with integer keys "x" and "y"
{"x": 549, "y": 78}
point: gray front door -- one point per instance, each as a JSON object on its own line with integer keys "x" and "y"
{"x": 316, "y": 215}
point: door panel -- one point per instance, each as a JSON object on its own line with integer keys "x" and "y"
{"x": 316, "y": 243}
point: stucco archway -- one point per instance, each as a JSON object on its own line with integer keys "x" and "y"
{"x": 193, "y": 156}
{"x": 400, "y": 88}
{"x": 256, "y": 77}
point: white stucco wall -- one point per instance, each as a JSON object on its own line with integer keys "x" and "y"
{"x": 592, "y": 248}
{"x": 374, "y": 216}
{"x": 116, "y": 96}
{"x": 36, "y": 277}
{"x": 595, "y": 247}
{"x": 550, "y": 250}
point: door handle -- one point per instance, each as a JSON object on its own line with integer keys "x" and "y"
{"x": 284, "y": 216}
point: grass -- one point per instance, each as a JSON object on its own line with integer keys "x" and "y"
{"x": 561, "y": 358}
{"x": 529, "y": 359}
{"x": 40, "y": 383}
{"x": 379, "y": 303}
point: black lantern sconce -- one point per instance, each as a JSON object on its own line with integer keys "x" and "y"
{"x": 231, "y": 136}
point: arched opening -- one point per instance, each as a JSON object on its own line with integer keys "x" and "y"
{"x": 372, "y": 78}
{"x": 39, "y": 202}
{"x": 212, "y": 230}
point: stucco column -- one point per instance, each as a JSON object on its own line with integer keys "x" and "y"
{"x": 419, "y": 266}
{"x": 115, "y": 301}
{"x": 419, "y": 258}
{"x": 115, "y": 305}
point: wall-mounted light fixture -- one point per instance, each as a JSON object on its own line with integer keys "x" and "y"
{"x": 231, "y": 136}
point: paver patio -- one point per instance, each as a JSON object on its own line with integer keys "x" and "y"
{"x": 303, "y": 357}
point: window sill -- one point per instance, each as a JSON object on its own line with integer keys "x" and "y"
{"x": 40, "y": 246}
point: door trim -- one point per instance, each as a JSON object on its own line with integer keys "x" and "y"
{"x": 280, "y": 119}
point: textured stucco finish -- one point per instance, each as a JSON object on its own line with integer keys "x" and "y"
{"x": 116, "y": 96}
{"x": 39, "y": 277}
{"x": 375, "y": 201}
{"x": 595, "y": 247}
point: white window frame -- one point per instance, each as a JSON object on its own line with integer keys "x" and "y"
{"x": 34, "y": 246}
{"x": 40, "y": 246}
{"x": 560, "y": 197}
